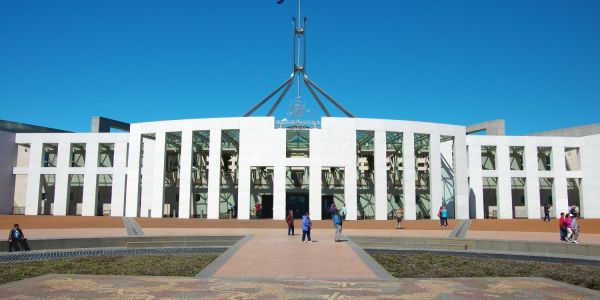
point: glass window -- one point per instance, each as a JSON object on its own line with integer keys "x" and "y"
{"x": 106, "y": 155}
{"x": 395, "y": 173}
{"x": 488, "y": 157}
{"x": 365, "y": 163}
{"x": 516, "y": 157}
{"x": 297, "y": 143}
{"x": 544, "y": 158}
{"x": 78, "y": 155}
{"x": 422, "y": 179}
{"x": 49, "y": 153}
{"x": 572, "y": 161}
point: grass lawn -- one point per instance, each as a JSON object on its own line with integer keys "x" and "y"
{"x": 148, "y": 265}
{"x": 429, "y": 265}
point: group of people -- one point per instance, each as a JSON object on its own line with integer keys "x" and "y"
{"x": 306, "y": 226}
{"x": 569, "y": 228}
{"x": 337, "y": 216}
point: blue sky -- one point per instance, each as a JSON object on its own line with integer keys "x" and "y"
{"x": 535, "y": 64}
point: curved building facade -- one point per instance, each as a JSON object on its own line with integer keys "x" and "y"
{"x": 220, "y": 168}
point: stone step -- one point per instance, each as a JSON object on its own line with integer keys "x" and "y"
{"x": 163, "y": 244}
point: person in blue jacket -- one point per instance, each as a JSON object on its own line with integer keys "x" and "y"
{"x": 444, "y": 217}
{"x": 337, "y": 224}
{"x": 306, "y": 225}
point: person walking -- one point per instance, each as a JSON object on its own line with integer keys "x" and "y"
{"x": 547, "y": 212}
{"x": 344, "y": 211}
{"x": 444, "y": 217}
{"x": 337, "y": 224}
{"x": 258, "y": 209}
{"x": 17, "y": 240}
{"x": 561, "y": 226}
{"x": 306, "y": 226}
{"x": 439, "y": 214}
{"x": 575, "y": 228}
{"x": 290, "y": 222}
{"x": 399, "y": 216}
{"x": 567, "y": 222}
{"x": 230, "y": 209}
{"x": 332, "y": 209}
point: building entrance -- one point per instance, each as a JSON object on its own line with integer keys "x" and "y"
{"x": 267, "y": 206}
{"x": 298, "y": 203}
{"x": 327, "y": 201}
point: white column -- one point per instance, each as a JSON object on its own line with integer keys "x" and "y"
{"x": 314, "y": 190}
{"x": 158, "y": 177}
{"x": 132, "y": 202}
{"x": 90, "y": 177}
{"x": 185, "y": 174}
{"x": 408, "y": 151}
{"x": 117, "y": 201}
{"x": 279, "y": 200}
{"x": 147, "y": 176}
{"x": 559, "y": 169}
{"x": 380, "y": 176}
{"x": 243, "y": 205}
{"x": 590, "y": 172}
{"x": 32, "y": 200}
{"x": 476, "y": 180}
{"x": 504, "y": 183}
{"x": 214, "y": 174}
{"x": 532, "y": 198}
{"x": 350, "y": 177}
{"x": 461, "y": 182}
{"x": 62, "y": 179}
{"x": 435, "y": 175}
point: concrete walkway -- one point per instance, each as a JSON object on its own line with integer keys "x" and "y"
{"x": 273, "y": 254}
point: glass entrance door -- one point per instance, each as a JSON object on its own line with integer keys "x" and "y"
{"x": 298, "y": 203}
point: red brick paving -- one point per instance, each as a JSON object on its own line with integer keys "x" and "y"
{"x": 273, "y": 254}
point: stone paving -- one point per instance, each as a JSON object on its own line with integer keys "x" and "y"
{"x": 143, "y": 287}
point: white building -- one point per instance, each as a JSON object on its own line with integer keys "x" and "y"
{"x": 200, "y": 168}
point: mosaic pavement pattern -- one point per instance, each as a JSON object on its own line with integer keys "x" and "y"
{"x": 57, "y": 254}
{"x": 142, "y": 287}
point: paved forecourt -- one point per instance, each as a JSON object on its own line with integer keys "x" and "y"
{"x": 270, "y": 264}
{"x": 273, "y": 254}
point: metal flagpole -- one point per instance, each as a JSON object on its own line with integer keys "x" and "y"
{"x": 299, "y": 71}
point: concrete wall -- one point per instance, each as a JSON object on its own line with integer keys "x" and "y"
{"x": 8, "y": 159}
{"x": 531, "y": 172}
{"x": 64, "y": 140}
{"x": 139, "y": 191}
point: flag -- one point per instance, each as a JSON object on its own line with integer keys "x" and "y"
{"x": 279, "y": 1}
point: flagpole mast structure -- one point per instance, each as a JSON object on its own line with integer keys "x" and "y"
{"x": 299, "y": 71}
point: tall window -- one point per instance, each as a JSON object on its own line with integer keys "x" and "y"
{"x": 395, "y": 172}
{"x": 365, "y": 168}
{"x": 422, "y": 179}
